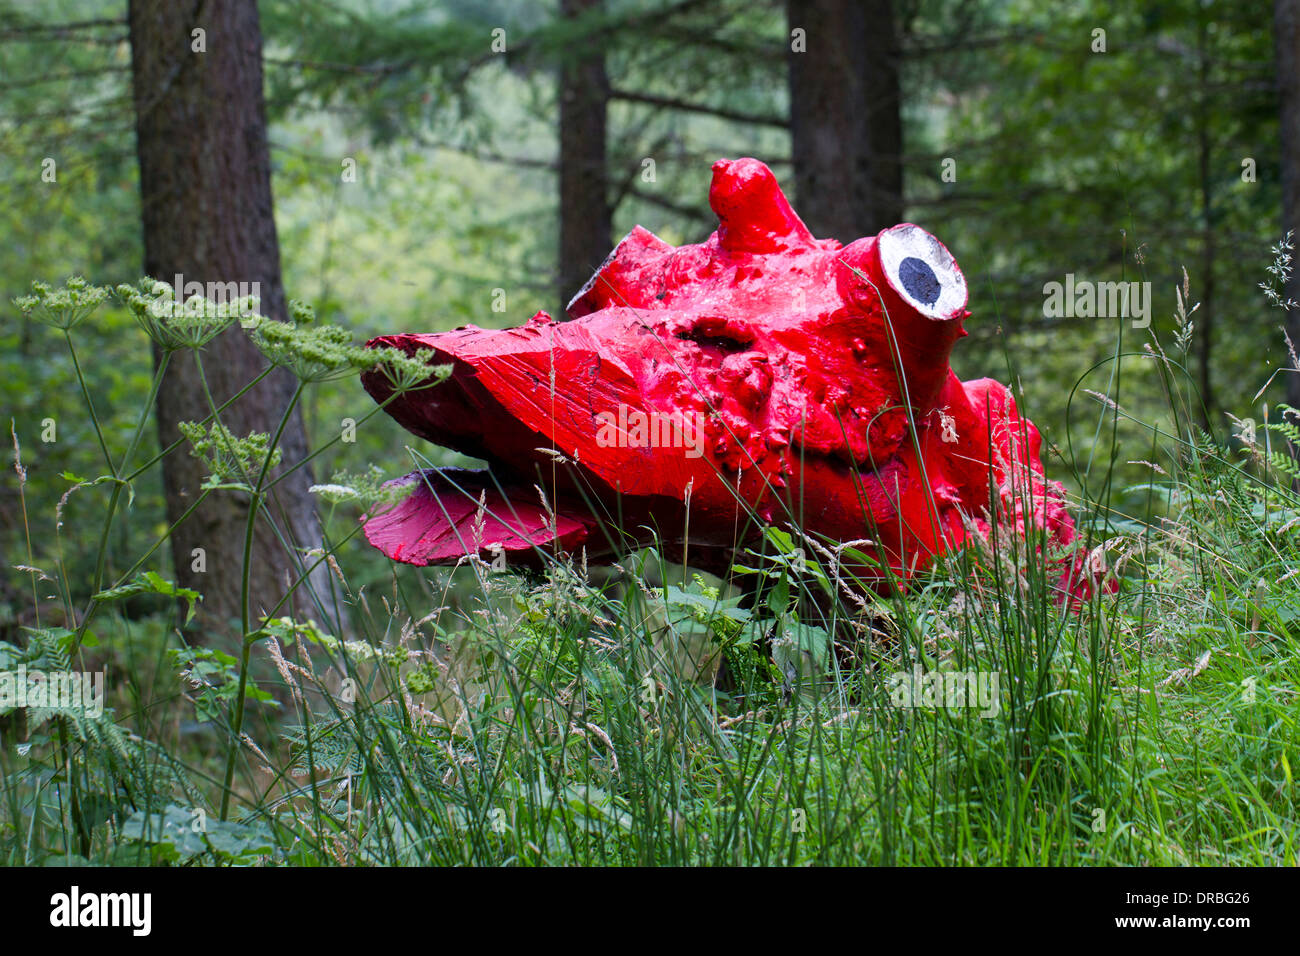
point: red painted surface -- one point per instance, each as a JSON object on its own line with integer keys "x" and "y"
{"x": 756, "y": 369}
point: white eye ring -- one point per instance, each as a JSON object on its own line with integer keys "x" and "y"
{"x": 922, "y": 271}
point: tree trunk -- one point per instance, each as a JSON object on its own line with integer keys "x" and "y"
{"x": 585, "y": 224}
{"x": 205, "y": 189}
{"x": 845, "y": 123}
{"x": 1286, "y": 33}
{"x": 1205, "y": 173}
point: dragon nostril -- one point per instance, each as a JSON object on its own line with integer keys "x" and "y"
{"x": 919, "y": 280}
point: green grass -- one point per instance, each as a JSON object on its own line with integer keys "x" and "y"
{"x": 483, "y": 718}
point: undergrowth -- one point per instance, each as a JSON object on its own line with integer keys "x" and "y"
{"x": 654, "y": 715}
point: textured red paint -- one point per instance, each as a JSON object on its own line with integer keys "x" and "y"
{"x": 779, "y": 346}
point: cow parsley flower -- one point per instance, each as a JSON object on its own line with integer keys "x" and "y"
{"x": 313, "y": 353}
{"x": 173, "y": 325}
{"x": 408, "y": 373}
{"x": 227, "y": 458}
{"x": 64, "y": 308}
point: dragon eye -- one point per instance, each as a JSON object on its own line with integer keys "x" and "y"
{"x": 922, "y": 271}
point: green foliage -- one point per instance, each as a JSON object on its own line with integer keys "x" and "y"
{"x": 1286, "y": 463}
{"x": 151, "y": 582}
{"x": 179, "y": 835}
{"x": 701, "y": 604}
{"x": 47, "y": 650}
{"x": 213, "y": 676}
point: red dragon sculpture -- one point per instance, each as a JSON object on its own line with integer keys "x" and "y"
{"x": 699, "y": 392}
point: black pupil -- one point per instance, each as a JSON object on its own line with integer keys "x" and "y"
{"x": 919, "y": 280}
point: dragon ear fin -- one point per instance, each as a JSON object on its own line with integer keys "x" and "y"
{"x": 753, "y": 214}
{"x": 623, "y": 279}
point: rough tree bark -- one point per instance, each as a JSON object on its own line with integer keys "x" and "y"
{"x": 585, "y": 220}
{"x": 1206, "y": 317}
{"x": 1286, "y": 33}
{"x": 845, "y": 125}
{"x": 205, "y": 188}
